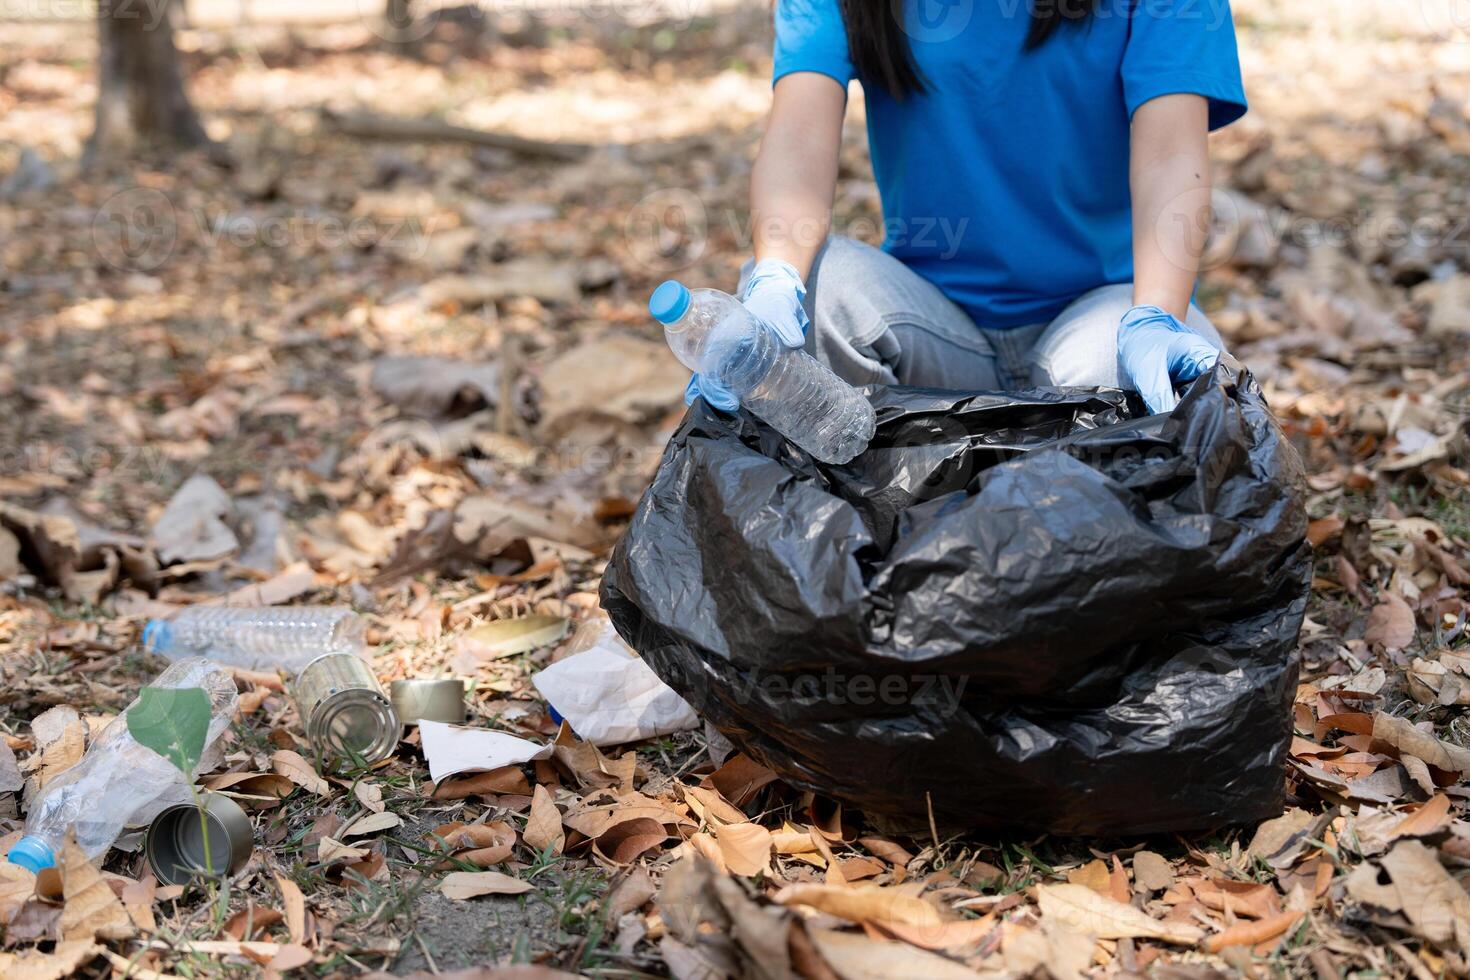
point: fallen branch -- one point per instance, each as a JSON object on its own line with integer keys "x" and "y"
{"x": 371, "y": 126}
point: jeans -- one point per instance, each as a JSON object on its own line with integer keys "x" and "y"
{"x": 875, "y": 320}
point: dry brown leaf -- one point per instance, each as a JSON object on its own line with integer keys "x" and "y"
{"x": 508, "y": 637}
{"x": 291, "y": 765}
{"x": 1083, "y": 910}
{"x": 64, "y": 746}
{"x": 740, "y": 778}
{"x": 289, "y": 957}
{"x": 711, "y": 806}
{"x": 1429, "y": 819}
{"x": 32, "y": 964}
{"x": 887, "y": 850}
{"x": 543, "y": 824}
{"x": 371, "y": 823}
{"x": 1252, "y": 933}
{"x": 1403, "y": 735}
{"x": 1094, "y": 874}
{"x": 481, "y": 844}
{"x": 92, "y": 910}
{"x": 369, "y": 795}
{"x": 1390, "y": 623}
{"x": 854, "y": 956}
{"x": 461, "y": 885}
{"x": 1151, "y": 873}
{"x": 509, "y": 780}
{"x": 623, "y": 842}
{"x": 251, "y": 921}
{"x": 332, "y": 851}
{"x": 1247, "y": 898}
{"x": 137, "y": 897}
{"x": 1048, "y": 949}
{"x": 295, "y": 904}
{"x": 633, "y": 892}
{"x": 863, "y": 903}
{"x": 1420, "y": 888}
{"x": 746, "y": 848}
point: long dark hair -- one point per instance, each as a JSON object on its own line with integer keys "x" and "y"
{"x": 879, "y": 46}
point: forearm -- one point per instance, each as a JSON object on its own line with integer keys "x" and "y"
{"x": 1170, "y": 179}
{"x": 795, "y": 173}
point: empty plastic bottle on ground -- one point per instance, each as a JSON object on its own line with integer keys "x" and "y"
{"x": 118, "y": 782}
{"x": 264, "y": 638}
{"x": 714, "y": 335}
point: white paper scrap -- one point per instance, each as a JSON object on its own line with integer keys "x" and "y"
{"x": 610, "y": 696}
{"x": 452, "y": 749}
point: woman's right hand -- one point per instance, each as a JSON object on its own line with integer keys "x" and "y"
{"x": 773, "y": 296}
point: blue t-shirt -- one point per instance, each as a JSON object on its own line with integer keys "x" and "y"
{"x": 1006, "y": 182}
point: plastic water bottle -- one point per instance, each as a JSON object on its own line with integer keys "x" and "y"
{"x": 257, "y": 638}
{"x": 711, "y": 333}
{"x": 118, "y": 782}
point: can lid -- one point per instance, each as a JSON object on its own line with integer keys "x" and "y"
{"x": 429, "y": 699}
{"x": 33, "y": 854}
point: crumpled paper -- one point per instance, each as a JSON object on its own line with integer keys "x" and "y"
{"x": 452, "y": 749}
{"x": 610, "y": 696}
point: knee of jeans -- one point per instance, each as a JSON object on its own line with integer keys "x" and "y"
{"x": 839, "y": 287}
{"x": 1085, "y": 366}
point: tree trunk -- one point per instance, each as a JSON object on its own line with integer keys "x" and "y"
{"x": 140, "y": 95}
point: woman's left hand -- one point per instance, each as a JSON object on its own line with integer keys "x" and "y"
{"x": 1157, "y": 352}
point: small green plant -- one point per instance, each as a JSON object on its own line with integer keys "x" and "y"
{"x": 174, "y": 722}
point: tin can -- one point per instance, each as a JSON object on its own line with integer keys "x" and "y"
{"x": 176, "y": 840}
{"x": 348, "y": 718}
{"x": 440, "y": 699}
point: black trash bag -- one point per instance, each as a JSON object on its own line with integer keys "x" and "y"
{"x": 1032, "y": 610}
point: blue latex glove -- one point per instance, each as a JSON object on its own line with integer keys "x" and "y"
{"x": 1157, "y": 352}
{"x": 773, "y": 296}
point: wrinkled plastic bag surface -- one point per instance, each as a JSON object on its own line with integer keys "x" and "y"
{"x": 1030, "y": 610}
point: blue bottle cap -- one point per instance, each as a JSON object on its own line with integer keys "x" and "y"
{"x": 33, "y": 854}
{"x": 556, "y": 718}
{"x": 669, "y": 301}
{"x": 156, "y": 634}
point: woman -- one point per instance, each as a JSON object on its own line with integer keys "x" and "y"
{"x": 1042, "y": 171}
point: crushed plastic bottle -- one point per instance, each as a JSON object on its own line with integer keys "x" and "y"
{"x": 118, "y": 782}
{"x": 257, "y": 638}
{"x": 711, "y": 333}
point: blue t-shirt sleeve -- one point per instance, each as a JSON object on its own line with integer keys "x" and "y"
{"x": 810, "y": 37}
{"x": 1184, "y": 46}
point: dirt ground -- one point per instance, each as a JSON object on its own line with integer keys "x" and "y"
{"x": 422, "y": 381}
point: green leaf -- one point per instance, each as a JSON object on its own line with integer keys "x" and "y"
{"x": 172, "y": 722}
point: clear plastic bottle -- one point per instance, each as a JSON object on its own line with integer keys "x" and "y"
{"x": 714, "y": 335}
{"x": 257, "y": 638}
{"x": 119, "y": 783}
